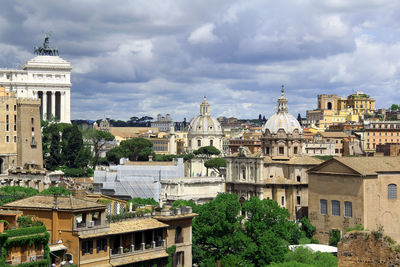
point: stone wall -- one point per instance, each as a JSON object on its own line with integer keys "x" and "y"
{"x": 363, "y": 249}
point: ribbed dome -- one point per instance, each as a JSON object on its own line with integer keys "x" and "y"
{"x": 204, "y": 124}
{"x": 282, "y": 119}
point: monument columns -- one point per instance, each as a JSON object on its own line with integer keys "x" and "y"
{"x": 44, "y": 103}
{"x": 53, "y": 104}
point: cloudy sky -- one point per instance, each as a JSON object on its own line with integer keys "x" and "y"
{"x": 135, "y": 58}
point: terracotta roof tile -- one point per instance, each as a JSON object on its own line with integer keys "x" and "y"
{"x": 48, "y": 202}
{"x": 127, "y": 226}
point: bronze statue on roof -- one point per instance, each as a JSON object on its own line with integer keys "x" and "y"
{"x": 46, "y": 50}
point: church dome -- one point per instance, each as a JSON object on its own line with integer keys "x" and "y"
{"x": 282, "y": 119}
{"x": 204, "y": 124}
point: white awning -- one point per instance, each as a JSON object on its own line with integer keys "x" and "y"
{"x": 316, "y": 247}
{"x": 57, "y": 247}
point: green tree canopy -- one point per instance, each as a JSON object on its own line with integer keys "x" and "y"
{"x": 221, "y": 232}
{"x": 97, "y": 140}
{"x": 215, "y": 163}
{"x": 60, "y": 191}
{"x": 307, "y": 227}
{"x": 207, "y": 151}
{"x": 270, "y": 230}
{"x": 395, "y": 107}
{"x": 217, "y": 230}
{"x": 136, "y": 149}
{"x": 72, "y": 144}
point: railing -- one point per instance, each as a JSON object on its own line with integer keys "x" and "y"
{"x": 179, "y": 239}
{"x": 81, "y": 225}
{"x": 137, "y": 248}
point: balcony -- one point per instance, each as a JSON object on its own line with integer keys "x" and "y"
{"x": 138, "y": 252}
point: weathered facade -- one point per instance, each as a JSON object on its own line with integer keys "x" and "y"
{"x": 20, "y": 132}
{"x": 79, "y": 229}
{"x": 344, "y": 192}
{"x": 280, "y": 171}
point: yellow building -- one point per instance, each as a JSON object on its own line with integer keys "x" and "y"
{"x": 360, "y": 103}
{"x": 346, "y": 191}
{"x": 79, "y": 228}
{"x": 33, "y": 250}
{"x": 334, "y": 110}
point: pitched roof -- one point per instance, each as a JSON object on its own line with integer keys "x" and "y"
{"x": 371, "y": 165}
{"x": 302, "y": 160}
{"x": 366, "y": 165}
{"x": 45, "y": 202}
{"x": 334, "y": 134}
{"x": 128, "y": 226}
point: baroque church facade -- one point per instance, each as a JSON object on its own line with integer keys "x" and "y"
{"x": 279, "y": 172}
{"x": 203, "y": 130}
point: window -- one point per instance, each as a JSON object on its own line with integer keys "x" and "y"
{"x": 324, "y": 206}
{"x": 178, "y": 235}
{"x": 180, "y": 258}
{"x": 7, "y": 139}
{"x": 392, "y": 191}
{"x": 32, "y": 120}
{"x": 348, "y": 209}
{"x": 7, "y": 107}
{"x": 282, "y": 201}
{"x": 199, "y": 143}
{"x": 211, "y": 142}
{"x": 109, "y": 208}
{"x": 115, "y": 208}
{"x": 101, "y": 244}
{"x": 335, "y": 208}
{"x": 281, "y": 150}
{"x": 15, "y": 107}
{"x": 87, "y": 247}
{"x": 298, "y": 178}
{"x": 298, "y": 200}
{"x": 267, "y": 151}
{"x": 15, "y": 138}
{"x": 295, "y": 150}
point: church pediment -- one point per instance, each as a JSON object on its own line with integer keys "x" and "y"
{"x": 333, "y": 166}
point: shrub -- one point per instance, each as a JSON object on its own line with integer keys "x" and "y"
{"x": 334, "y": 237}
{"x": 307, "y": 227}
{"x": 356, "y": 227}
{"x": 306, "y": 256}
{"x": 60, "y": 191}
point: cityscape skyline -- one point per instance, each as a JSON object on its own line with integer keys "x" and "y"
{"x": 163, "y": 55}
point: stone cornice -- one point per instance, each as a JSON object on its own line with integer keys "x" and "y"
{"x": 39, "y": 84}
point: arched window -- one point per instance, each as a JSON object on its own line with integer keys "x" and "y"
{"x": 199, "y": 143}
{"x": 392, "y": 191}
{"x": 329, "y": 105}
{"x": 211, "y": 142}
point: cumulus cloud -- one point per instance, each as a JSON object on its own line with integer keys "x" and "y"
{"x": 203, "y": 35}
